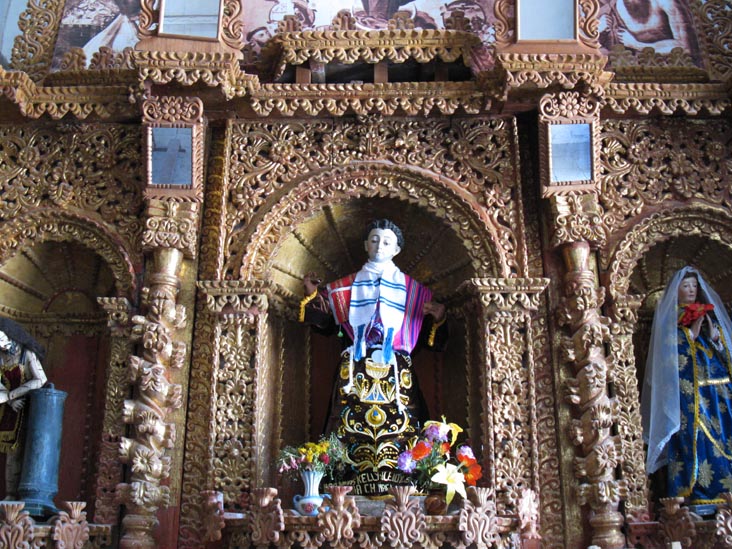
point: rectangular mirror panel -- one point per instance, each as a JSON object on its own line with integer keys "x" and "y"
{"x": 570, "y": 151}
{"x": 546, "y": 19}
{"x": 199, "y": 19}
{"x": 172, "y": 156}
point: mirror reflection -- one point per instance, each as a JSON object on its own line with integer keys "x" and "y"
{"x": 570, "y": 152}
{"x": 542, "y": 20}
{"x": 9, "y": 15}
{"x": 199, "y": 19}
{"x": 172, "y": 156}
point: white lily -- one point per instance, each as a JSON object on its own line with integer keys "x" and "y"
{"x": 449, "y": 475}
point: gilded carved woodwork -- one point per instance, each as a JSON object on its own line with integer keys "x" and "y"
{"x": 477, "y": 156}
{"x": 648, "y": 66}
{"x": 172, "y": 110}
{"x": 583, "y": 349}
{"x": 16, "y": 526}
{"x": 642, "y": 98}
{"x": 71, "y": 528}
{"x": 714, "y": 20}
{"x": 622, "y": 375}
{"x": 349, "y": 46}
{"x": 109, "y": 466}
{"x": 338, "y": 518}
{"x": 577, "y": 218}
{"x": 171, "y": 224}
{"x": 510, "y": 455}
{"x": 33, "y": 48}
{"x": 61, "y": 185}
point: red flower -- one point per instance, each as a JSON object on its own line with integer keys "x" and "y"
{"x": 444, "y": 448}
{"x": 325, "y": 458}
{"x": 693, "y": 311}
{"x": 421, "y": 450}
{"x": 473, "y": 473}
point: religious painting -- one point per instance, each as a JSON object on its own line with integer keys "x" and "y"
{"x": 659, "y": 24}
{"x": 92, "y": 24}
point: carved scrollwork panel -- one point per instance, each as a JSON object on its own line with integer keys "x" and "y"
{"x": 715, "y": 19}
{"x": 172, "y": 110}
{"x": 33, "y": 49}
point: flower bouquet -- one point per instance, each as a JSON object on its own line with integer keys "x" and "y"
{"x": 311, "y": 461}
{"x": 434, "y": 460}
{"x": 692, "y": 311}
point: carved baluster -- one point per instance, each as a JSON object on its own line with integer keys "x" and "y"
{"x": 338, "y": 522}
{"x": 403, "y": 521}
{"x": 266, "y": 520}
{"x": 584, "y": 350}
{"x": 477, "y": 519}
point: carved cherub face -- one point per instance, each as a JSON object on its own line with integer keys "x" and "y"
{"x": 688, "y": 290}
{"x": 381, "y": 245}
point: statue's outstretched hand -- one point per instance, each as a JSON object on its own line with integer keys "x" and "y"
{"x": 310, "y": 282}
{"x": 437, "y": 310}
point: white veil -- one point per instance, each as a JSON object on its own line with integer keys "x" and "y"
{"x": 660, "y": 396}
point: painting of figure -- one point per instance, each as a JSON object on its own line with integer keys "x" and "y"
{"x": 92, "y": 24}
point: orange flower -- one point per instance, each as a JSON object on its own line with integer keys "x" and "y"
{"x": 421, "y": 450}
{"x": 444, "y": 448}
{"x": 473, "y": 473}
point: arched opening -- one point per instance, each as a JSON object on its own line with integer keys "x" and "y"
{"x": 51, "y": 288}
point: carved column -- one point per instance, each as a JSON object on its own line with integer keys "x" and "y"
{"x": 583, "y": 349}
{"x": 170, "y": 235}
{"x": 510, "y": 449}
{"x": 622, "y": 375}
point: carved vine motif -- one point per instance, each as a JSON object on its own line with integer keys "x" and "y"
{"x": 477, "y": 155}
{"x": 622, "y": 375}
{"x": 714, "y": 18}
{"x": 645, "y": 163}
{"x": 93, "y": 168}
{"x": 583, "y": 350}
{"x": 33, "y": 49}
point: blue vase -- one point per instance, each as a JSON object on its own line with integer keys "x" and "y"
{"x": 307, "y": 504}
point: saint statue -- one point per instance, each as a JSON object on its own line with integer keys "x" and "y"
{"x": 20, "y": 373}
{"x": 687, "y": 393}
{"x": 382, "y": 314}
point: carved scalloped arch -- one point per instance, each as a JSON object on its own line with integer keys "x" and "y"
{"x": 705, "y": 222}
{"x": 26, "y": 230}
{"x": 368, "y": 180}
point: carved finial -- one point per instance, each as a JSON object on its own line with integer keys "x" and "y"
{"x": 344, "y": 21}
{"x": 402, "y": 20}
{"x": 71, "y": 528}
{"x": 290, "y": 23}
{"x": 457, "y": 21}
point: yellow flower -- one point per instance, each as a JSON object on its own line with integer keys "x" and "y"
{"x": 449, "y": 475}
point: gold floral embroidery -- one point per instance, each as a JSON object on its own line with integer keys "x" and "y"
{"x": 705, "y": 474}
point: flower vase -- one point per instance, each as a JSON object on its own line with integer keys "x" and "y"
{"x": 435, "y": 502}
{"x": 307, "y": 504}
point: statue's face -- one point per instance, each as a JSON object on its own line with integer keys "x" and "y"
{"x": 5, "y": 342}
{"x": 687, "y": 291}
{"x": 381, "y": 245}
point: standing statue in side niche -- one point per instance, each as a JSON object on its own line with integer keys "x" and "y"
{"x": 687, "y": 393}
{"x": 382, "y": 314}
{"x": 20, "y": 373}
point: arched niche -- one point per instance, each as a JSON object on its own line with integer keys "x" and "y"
{"x": 330, "y": 243}
{"x": 51, "y": 287}
{"x": 643, "y": 262}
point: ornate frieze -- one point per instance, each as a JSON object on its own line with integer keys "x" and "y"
{"x": 172, "y": 110}
{"x": 477, "y": 156}
{"x": 642, "y": 98}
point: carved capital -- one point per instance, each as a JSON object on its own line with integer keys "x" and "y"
{"x": 71, "y": 528}
{"x": 266, "y": 519}
{"x": 577, "y": 218}
{"x": 506, "y": 295}
{"x": 171, "y": 224}
{"x": 477, "y": 518}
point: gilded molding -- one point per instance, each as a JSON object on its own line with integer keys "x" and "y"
{"x": 411, "y": 98}
{"x": 33, "y": 48}
{"x": 172, "y": 110}
{"x": 642, "y": 98}
{"x": 369, "y": 46}
{"x": 170, "y": 224}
